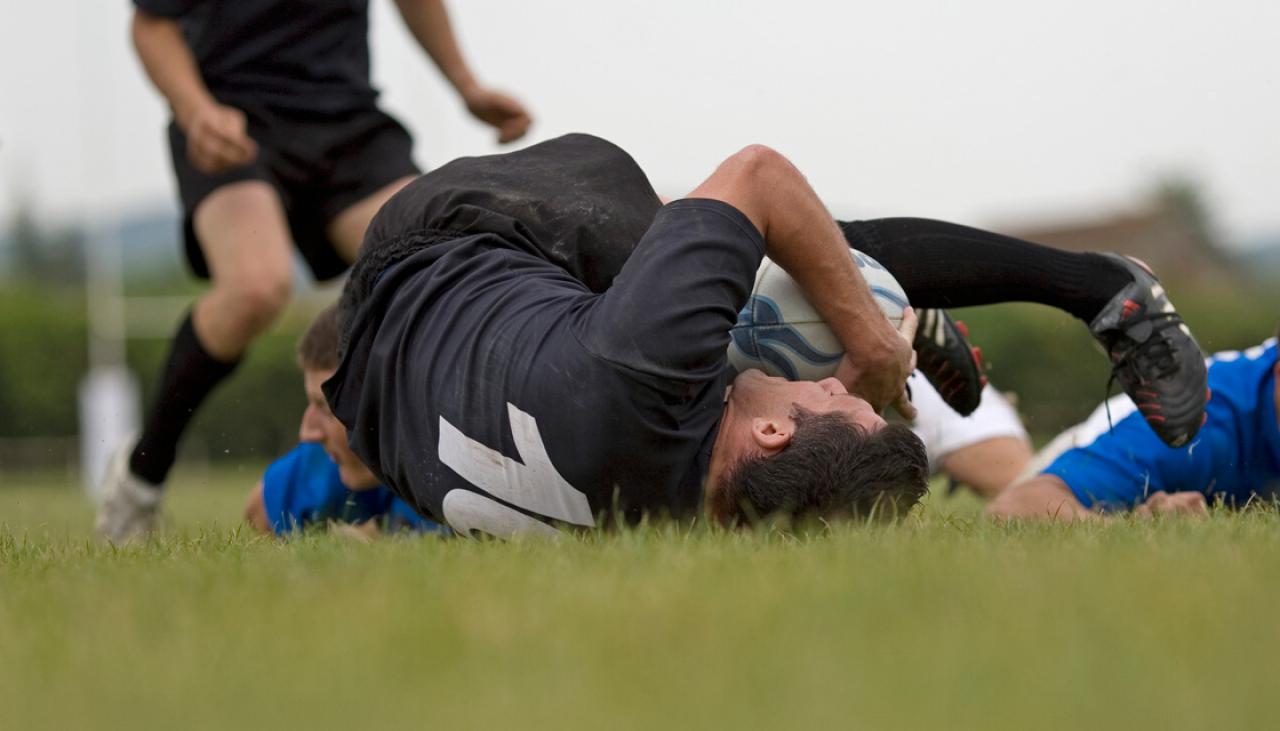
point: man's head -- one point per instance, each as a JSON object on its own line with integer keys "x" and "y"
{"x": 318, "y": 359}
{"x": 810, "y": 449}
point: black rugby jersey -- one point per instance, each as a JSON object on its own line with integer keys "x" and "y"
{"x": 290, "y": 55}
{"x": 479, "y": 376}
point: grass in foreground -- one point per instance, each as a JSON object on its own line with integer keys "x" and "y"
{"x": 944, "y": 621}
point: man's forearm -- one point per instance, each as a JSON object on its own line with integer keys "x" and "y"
{"x": 1043, "y": 497}
{"x": 803, "y": 238}
{"x": 170, "y": 65}
{"x": 428, "y": 21}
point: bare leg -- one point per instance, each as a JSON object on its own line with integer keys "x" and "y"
{"x": 346, "y": 231}
{"x": 245, "y": 238}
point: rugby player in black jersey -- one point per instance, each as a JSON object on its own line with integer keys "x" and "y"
{"x": 534, "y": 338}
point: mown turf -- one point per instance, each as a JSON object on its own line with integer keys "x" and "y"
{"x": 944, "y": 621}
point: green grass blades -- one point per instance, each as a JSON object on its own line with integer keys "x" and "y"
{"x": 943, "y": 621}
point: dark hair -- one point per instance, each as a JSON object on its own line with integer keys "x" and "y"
{"x": 318, "y": 347}
{"x": 831, "y": 468}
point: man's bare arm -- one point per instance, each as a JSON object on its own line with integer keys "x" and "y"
{"x": 1043, "y": 497}
{"x": 217, "y": 139}
{"x": 428, "y": 21}
{"x": 802, "y": 237}
{"x": 989, "y": 466}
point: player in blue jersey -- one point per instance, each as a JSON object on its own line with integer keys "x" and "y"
{"x": 303, "y": 488}
{"x": 1093, "y": 469}
{"x": 321, "y": 481}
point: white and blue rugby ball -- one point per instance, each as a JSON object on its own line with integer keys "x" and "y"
{"x": 780, "y": 333}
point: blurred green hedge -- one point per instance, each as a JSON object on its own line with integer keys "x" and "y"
{"x": 1043, "y": 356}
{"x": 43, "y": 357}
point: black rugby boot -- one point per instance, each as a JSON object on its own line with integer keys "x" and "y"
{"x": 945, "y": 357}
{"x": 1154, "y": 355}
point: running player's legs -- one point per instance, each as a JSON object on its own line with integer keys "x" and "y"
{"x": 346, "y": 230}
{"x": 245, "y": 239}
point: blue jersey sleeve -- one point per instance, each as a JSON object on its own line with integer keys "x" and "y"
{"x": 1119, "y": 469}
{"x": 303, "y": 488}
{"x": 1129, "y": 462}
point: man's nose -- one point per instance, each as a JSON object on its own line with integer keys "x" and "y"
{"x": 309, "y": 430}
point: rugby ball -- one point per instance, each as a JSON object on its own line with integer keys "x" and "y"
{"x": 780, "y": 333}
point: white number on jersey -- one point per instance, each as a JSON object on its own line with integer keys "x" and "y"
{"x": 533, "y": 484}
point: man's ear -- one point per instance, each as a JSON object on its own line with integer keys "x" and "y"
{"x": 772, "y": 435}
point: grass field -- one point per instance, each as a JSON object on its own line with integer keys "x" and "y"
{"x": 944, "y": 621}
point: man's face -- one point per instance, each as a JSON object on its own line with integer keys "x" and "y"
{"x": 320, "y": 426}
{"x": 771, "y": 396}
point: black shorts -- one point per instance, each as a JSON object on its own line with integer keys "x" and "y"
{"x": 320, "y": 166}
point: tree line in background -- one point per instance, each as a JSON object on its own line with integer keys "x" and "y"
{"x": 1045, "y": 357}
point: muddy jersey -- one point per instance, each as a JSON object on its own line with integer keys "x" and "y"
{"x": 486, "y": 385}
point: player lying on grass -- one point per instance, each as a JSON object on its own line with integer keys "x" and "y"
{"x": 532, "y": 337}
{"x": 1093, "y": 468}
{"x": 321, "y": 481}
{"x": 309, "y": 487}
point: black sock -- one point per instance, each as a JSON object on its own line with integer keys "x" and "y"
{"x": 945, "y": 265}
{"x": 189, "y": 375}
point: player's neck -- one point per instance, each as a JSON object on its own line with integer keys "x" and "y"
{"x": 723, "y": 451}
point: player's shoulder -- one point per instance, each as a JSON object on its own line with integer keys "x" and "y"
{"x": 1235, "y": 375}
{"x": 1230, "y": 364}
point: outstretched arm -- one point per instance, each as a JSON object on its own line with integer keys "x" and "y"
{"x": 1048, "y": 497}
{"x": 428, "y": 20}
{"x": 1044, "y": 497}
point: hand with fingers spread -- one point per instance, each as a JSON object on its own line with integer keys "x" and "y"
{"x": 1177, "y": 503}
{"x": 878, "y": 372}
{"x": 217, "y": 139}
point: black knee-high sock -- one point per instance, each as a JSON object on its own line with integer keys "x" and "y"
{"x": 943, "y": 264}
{"x": 189, "y": 375}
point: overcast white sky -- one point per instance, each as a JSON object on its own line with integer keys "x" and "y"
{"x": 985, "y": 111}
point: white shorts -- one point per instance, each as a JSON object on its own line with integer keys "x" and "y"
{"x": 943, "y": 431}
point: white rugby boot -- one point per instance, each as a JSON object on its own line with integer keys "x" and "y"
{"x": 128, "y": 507}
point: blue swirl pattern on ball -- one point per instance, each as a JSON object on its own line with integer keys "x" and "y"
{"x": 761, "y": 335}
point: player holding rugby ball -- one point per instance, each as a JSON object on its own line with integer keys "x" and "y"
{"x": 533, "y": 338}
